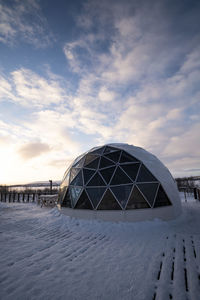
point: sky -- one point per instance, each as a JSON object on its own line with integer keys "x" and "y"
{"x": 77, "y": 74}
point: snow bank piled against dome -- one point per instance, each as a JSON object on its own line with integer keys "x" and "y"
{"x": 119, "y": 182}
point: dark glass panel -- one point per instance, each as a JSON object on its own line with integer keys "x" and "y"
{"x": 87, "y": 174}
{"x": 131, "y": 170}
{"x": 107, "y": 173}
{"x": 161, "y": 198}
{"x": 78, "y": 180}
{"x": 67, "y": 201}
{"x": 74, "y": 194}
{"x": 89, "y": 158}
{"x": 96, "y": 181}
{"x": 114, "y": 155}
{"x": 149, "y": 191}
{"x": 94, "y": 164}
{"x": 98, "y": 151}
{"x": 122, "y": 193}
{"x": 77, "y": 159}
{"x": 145, "y": 175}
{"x": 73, "y": 173}
{"x": 109, "y": 149}
{"x": 80, "y": 163}
{"x": 126, "y": 158}
{"x": 83, "y": 202}
{"x": 104, "y": 162}
{"x": 120, "y": 177}
{"x": 109, "y": 202}
{"x": 136, "y": 200}
{"x": 95, "y": 194}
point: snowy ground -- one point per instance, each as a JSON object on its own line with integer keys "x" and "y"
{"x": 46, "y": 255}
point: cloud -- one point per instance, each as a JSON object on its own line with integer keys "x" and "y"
{"x": 137, "y": 70}
{"x": 106, "y": 95}
{"x": 30, "y": 89}
{"x": 23, "y": 20}
{"x": 5, "y": 88}
{"x": 33, "y": 149}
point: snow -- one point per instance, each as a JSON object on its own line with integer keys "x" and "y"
{"x": 47, "y": 255}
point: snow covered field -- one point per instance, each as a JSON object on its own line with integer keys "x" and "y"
{"x": 47, "y": 255}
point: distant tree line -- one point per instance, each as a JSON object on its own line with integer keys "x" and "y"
{"x": 188, "y": 182}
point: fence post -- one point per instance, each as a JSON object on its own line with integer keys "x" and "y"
{"x": 195, "y": 193}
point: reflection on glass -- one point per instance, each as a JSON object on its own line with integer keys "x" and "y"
{"x": 161, "y": 198}
{"x": 136, "y": 200}
{"x": 120, "y": 177}
{"x": 95, "y": 194}
{"x": 149, "y": 191}
{"x": 108, "y": 202}
{"x": 83, "y": 202}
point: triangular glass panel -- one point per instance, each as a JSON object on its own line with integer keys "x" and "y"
{"x": 87, "y": 174}
{"x": 104, "y": 162}
{"x": 98, "y": 151}
{"x": 73, "y": 173}
{"x": 78, "y": 180}
{"x": 109, "y": 202}
{"x": 131, "y": 170}
{"x": 126, "y": 158}
{"x": 77, "y": 159}
{"x": 109, "y": 149}
{"x": 83, "y": 202}
{"x": 120, "y": 177}
{"x": 161, "y": 198}
{"x": 89, "y": 158}
{"x": 145, "y": 175}
{"x": 74, "y": 194}
{"x": 67, "y": 171}
{"x": 136, "y": 200}
{"x": 149, "y": 191}
{"x": 114, "y": 156}
{"x": 94, "y": 164}
{"x": 61, "y": 194}
{"x": 107, "y": 173}
{"x": 95, "y": 194}
{"x": 96, "y": 180}
{"x": 66, "y": 179}
{"x": 122, "y": 193}
{"x": 80, "y": 163}
{"x": 67, "y": 201}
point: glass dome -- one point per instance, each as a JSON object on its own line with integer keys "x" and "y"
{"x": 110, "y": 178}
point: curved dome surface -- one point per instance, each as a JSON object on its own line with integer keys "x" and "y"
{"x": 120, "y": 177}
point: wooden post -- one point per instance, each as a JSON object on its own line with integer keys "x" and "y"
{"x": 195, "y": 193}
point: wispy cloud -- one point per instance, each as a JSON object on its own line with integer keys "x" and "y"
{"x": 23, "y": 20}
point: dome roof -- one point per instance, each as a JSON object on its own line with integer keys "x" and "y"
{"x": 119, "y": 177}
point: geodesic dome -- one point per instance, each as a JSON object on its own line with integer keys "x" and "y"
{"x": 118, "y": 177}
